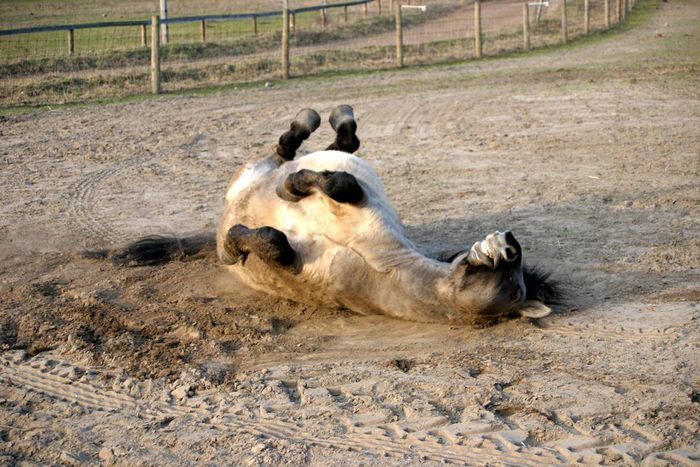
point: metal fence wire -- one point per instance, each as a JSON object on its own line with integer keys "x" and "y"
{"x": 52, "y": 54}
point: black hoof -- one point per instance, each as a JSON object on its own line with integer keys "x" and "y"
{"x": 299, "y": 185}
{"x": 342, "y": 187}
{"x": 343, "y": 122}
{"x": 267, "y": 243}
{"x": 339, "y": 186}
{"x": 305, "y": 123}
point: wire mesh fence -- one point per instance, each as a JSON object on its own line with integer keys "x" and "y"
{"x": 215, "y": 42}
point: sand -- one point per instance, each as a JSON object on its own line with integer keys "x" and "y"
{"x": 588, "y": 154}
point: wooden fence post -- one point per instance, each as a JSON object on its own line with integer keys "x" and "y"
{"x": 292, "y": 21}
{"x": 477, "y": 29}
{"x": 203, "y": 28}
{"x": 364, "y": 10}
{"x": 345, "y": 12}
{"x": 323, "y": 17}
{"x": 623, "y": 5}
{"x": 399, "y": 37}
{"x": 586, "y": 17}
{"x": 564, "y": 26}
{"x": 255, "y": 25}
{"x": 285, "y": 43}
{"x": 618, "y": 11}
{"x": 71, "y": 42}
{"x": 155, "y": 55}
{"x": 526, "y": 27}
{"x": 379, "y": 7}
{"x": 606, "y": 4}
{"x": 144, "y": 37}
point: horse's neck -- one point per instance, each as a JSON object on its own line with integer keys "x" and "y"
{"x": 418, "y": 286}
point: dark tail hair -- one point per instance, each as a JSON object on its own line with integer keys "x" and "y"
{"x": 157, "y": 249}
{"x": 541, "y": 287}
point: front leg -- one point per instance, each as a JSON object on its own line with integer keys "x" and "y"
{"x": 267, "y": 243}
{"x": 339, "y": 186}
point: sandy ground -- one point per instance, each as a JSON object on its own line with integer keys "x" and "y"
{"x": 589, "y": 155}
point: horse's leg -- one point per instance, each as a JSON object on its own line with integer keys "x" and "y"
{"x": 305, "y": 123}
{"x": 344, "y": 124}
{"x": 267, "y": 243}
{"x": 339, "y": 186}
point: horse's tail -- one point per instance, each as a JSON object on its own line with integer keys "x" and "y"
{"x": 157, "y": 249}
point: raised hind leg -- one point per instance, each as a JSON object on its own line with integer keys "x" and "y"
{"x": 305, "y": 123}
{"x": 339, "y": 186}
{"x": 267, "y": 243}
{"x": 343, "y": 122}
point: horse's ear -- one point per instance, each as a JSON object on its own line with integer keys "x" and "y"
{"x": 534, "y": 309}
{"x": 459, "y": 263}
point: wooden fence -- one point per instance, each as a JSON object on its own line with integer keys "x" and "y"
{"x": 615, "y": 12}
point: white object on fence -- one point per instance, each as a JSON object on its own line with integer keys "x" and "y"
{"x": 416, "y": 7}
{"x": 538, "y": 10}
{"x": 164, "y": 21}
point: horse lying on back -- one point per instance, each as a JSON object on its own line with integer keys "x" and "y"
{"x": 319, "y": 229}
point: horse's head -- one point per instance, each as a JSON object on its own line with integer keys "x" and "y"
{"x": 489, "y": 281}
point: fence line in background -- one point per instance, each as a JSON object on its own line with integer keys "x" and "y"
{"x": 524, "y": 23}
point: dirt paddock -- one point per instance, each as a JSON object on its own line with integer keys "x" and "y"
{"x": 588, "y": 154}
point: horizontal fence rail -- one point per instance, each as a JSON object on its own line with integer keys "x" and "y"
{"x": 68, "y": 27}
{"x": 180, "y": 19}
{"x": 90, "y": 60}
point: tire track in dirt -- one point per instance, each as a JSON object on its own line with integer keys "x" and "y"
{"x": 45, "y": 377}
{"x": 502, "y": 439}
{"x": 82, "y": 211}
{"x": 431, "y": 439}
{"x": 420, "y": 118}
{"x": 575, "y": 441}
{"x": 579, "y": 447}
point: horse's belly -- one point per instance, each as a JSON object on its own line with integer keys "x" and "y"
{"x": 331, "y": 275}
{"x": 332, "y": 240}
